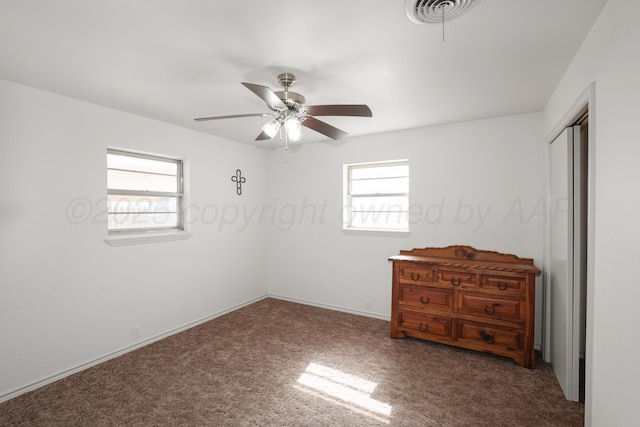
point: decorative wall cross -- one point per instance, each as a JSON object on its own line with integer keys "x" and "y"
{"x": 239, "y": 180}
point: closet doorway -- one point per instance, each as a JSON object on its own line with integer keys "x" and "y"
{"x": 567, "y": 256}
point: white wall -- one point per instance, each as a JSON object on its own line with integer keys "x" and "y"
{"x": 66, "y": 297}
{"x": 476, "y": 183}
{"x": 610, "y": 56}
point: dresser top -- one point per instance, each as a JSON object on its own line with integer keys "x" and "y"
{"x": 468, "y": 257}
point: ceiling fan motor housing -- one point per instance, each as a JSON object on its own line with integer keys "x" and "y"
{"x": 292, "y": 100}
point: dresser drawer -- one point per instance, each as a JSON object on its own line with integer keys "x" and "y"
{"x": 503, "y": 284}
{"x": 426, "y": 297}
{"x": 424, "y": 324}
{"x": 489, "y": 336}
{"x": 490, "y": 306}
{"x": 414, "y": 275}
{"x": 457, "y": 279}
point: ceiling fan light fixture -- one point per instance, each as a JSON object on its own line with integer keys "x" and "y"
{"x": 293, "y": 128}
{"x": 272, "y": 127}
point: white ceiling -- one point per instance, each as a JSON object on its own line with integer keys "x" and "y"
{"x": 177, "y": 60}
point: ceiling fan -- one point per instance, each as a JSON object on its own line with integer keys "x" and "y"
{"x": 290, "y": 112}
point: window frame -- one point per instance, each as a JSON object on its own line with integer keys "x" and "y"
{"x": 118, "y": 237}
{"x": 348, "y": 199}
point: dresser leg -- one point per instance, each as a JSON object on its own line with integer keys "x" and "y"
{"x": 397, "y": 335}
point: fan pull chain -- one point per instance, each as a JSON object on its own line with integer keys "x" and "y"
{"x": 286, "y": 138}
{"x": 442, "y": 10}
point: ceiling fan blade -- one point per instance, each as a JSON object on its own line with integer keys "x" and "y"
{"x": 263, "y": 136}
{"x": 339, "y": 110}
{"x": 267, "y": 95}
{"x": 323, "y": 128}
{"x": 233, "y": 116}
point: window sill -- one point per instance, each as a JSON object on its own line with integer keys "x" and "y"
{"x": 374, "y": 232}
{"x": 137, "y": 239}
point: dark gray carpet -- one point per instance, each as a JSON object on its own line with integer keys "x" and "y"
{"x": 277, "y": 363}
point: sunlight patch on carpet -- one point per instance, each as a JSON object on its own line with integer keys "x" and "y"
{"x": 341, "y": 388}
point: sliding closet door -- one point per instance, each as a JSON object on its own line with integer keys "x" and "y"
{"x": 564, "y": 289}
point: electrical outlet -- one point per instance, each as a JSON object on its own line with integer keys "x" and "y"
{"x": 135, "y": 332}
{"x": 367, "y": 304}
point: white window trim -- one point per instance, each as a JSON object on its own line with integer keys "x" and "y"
{"x": 159, "y": 235}
{"x": 375, "y": 232}
{"x": 346, "y": 228}
{"x": 147, "y": 237}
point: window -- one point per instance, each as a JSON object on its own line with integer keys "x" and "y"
{"x": 144, "y": 193}
{"x": 377, "y": 196}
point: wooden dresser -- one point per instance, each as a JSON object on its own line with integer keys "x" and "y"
{"x": 461, "y": 296}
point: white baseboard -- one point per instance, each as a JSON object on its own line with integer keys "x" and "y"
{"x": 60, "y": 375}
{"x": 332, "y": 307}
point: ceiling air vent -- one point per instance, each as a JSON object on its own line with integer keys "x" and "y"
{"x": 426, "y": 12}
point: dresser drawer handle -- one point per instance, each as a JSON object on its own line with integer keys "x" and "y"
{"x": 424, "y": 328}
{"x": 487, "y": 337}
{"x": 502, "y": 286}
{"x": 455, "y": 282}
{"x": 489, "y": 309}
{"x": 424, "y": 300}
{"x": 415, "y": 277}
